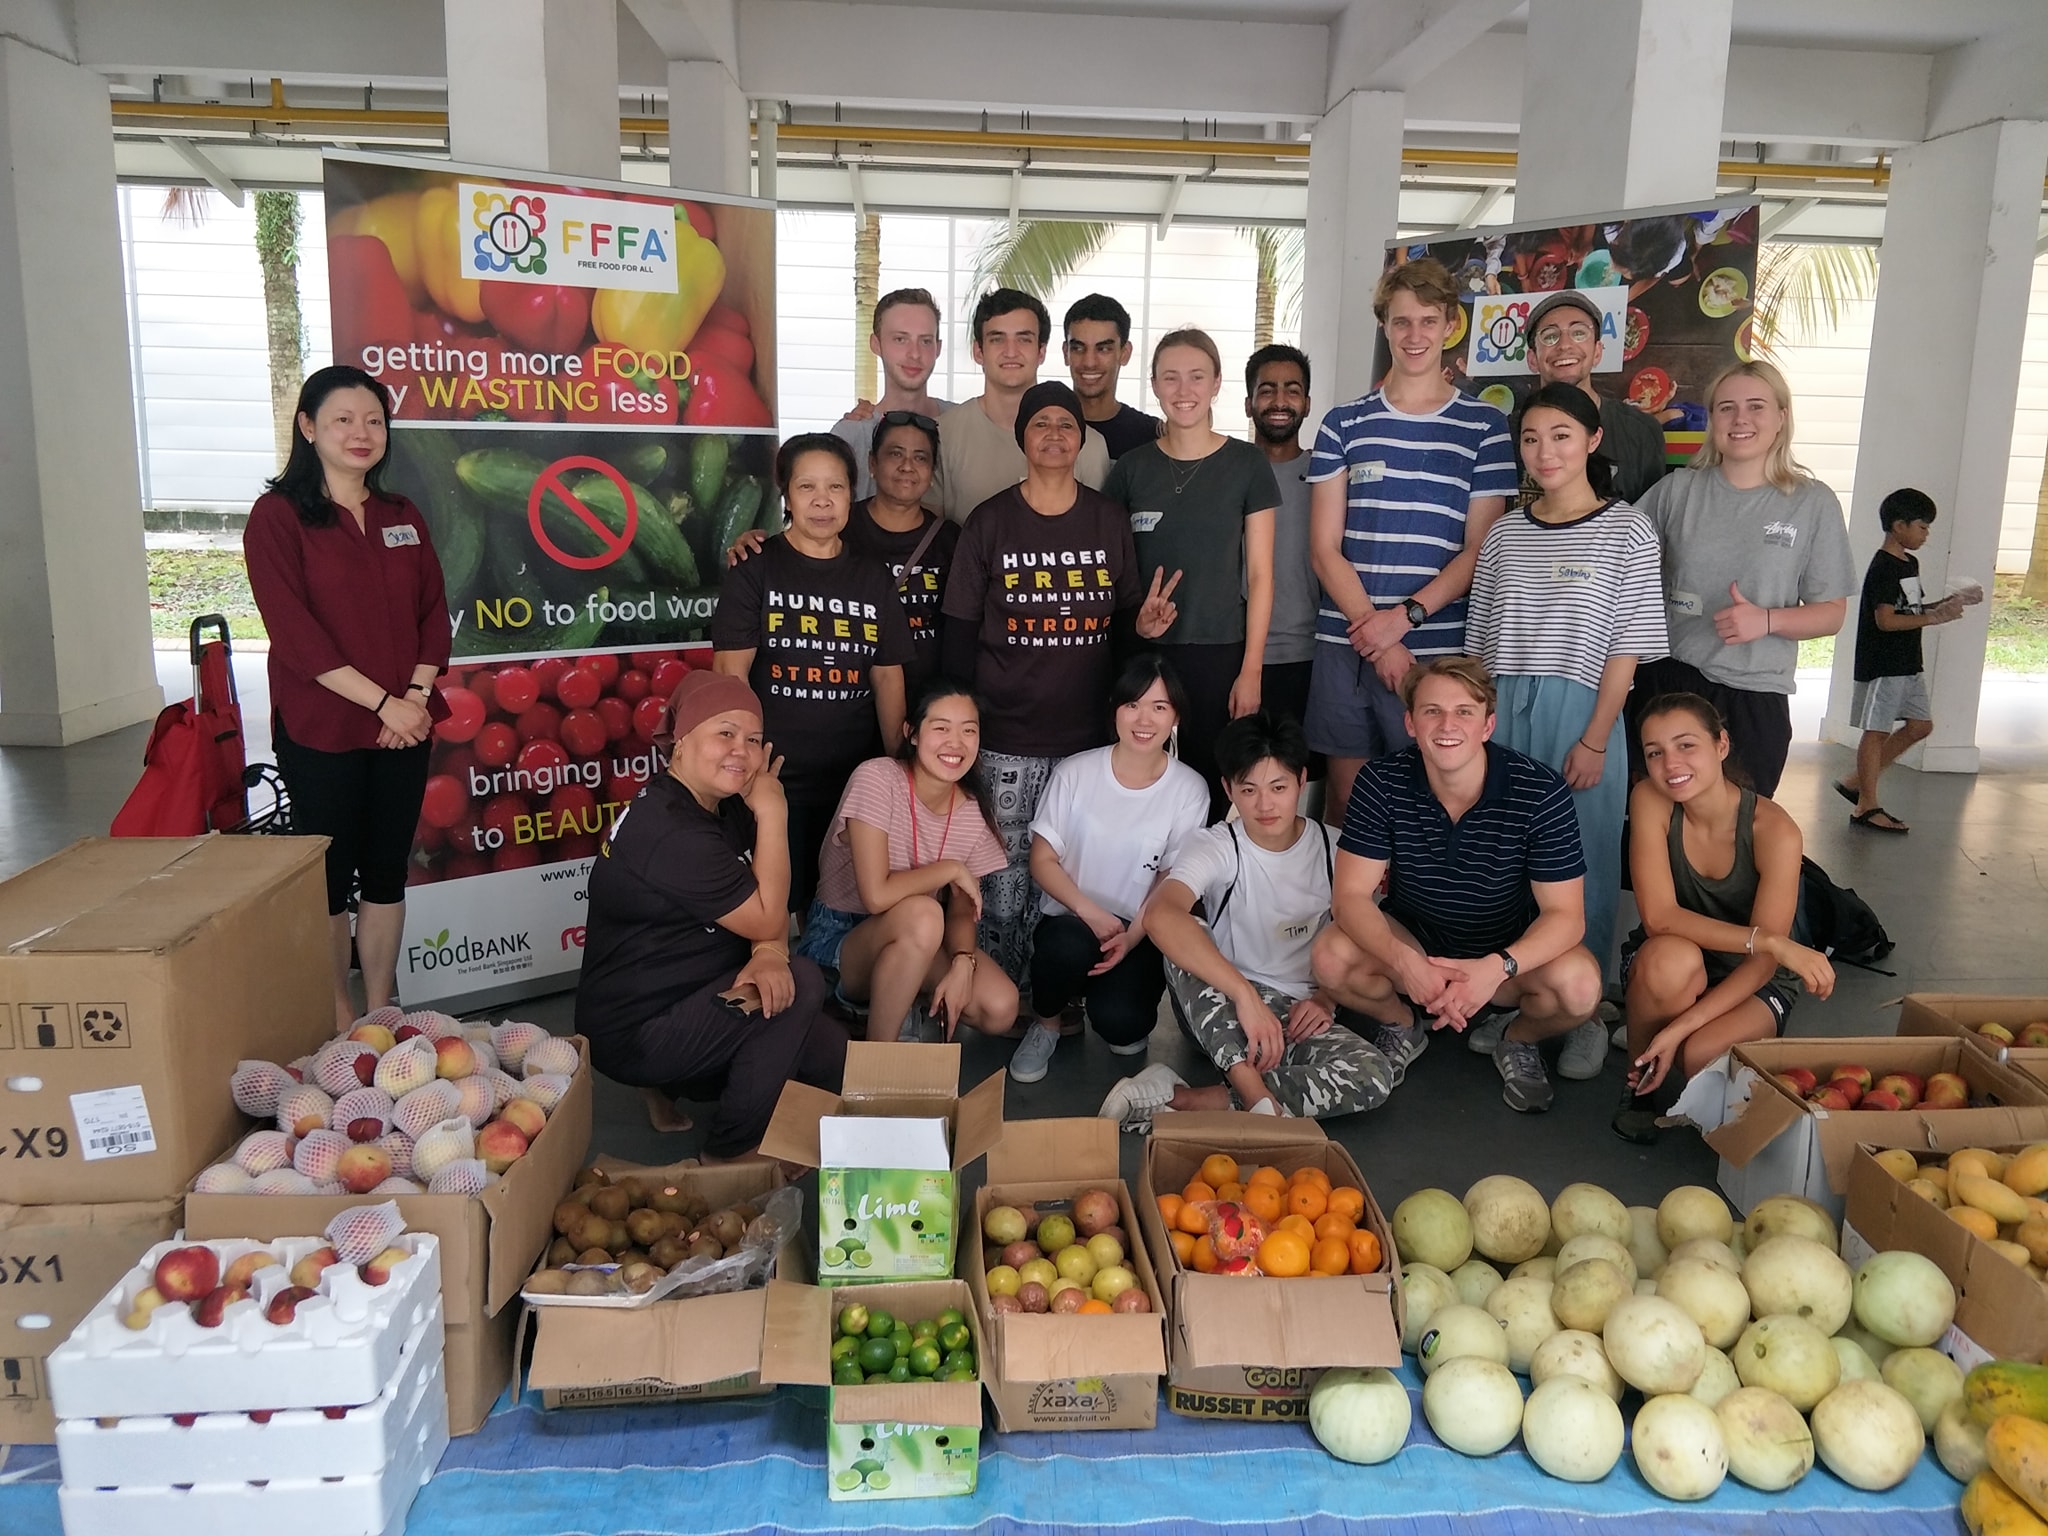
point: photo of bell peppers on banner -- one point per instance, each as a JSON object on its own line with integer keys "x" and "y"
{"x": 677, "y": 341}
{"x": 575, "y": 540}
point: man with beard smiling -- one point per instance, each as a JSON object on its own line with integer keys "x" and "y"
{"x": 1564, "y": 348}
{"x": 1276, "y": 402}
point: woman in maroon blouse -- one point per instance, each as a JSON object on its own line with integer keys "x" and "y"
{"x": 349, "y": 588}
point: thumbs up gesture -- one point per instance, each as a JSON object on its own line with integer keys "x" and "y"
{"x": 1741, "y": 621}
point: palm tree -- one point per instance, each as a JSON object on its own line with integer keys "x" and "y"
{"x": 1036, "y": 255}
{"x": 867, "y": 285}
{"x": 277, "y": 253}
{"x": 1277, "y": 294}
{"x": 1804, "y": 289}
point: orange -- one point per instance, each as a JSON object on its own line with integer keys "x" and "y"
{"x": 1305, "y": 1199}
{"x": 1093, "y": 1308}
{"x": 1299, "y": 1225}
{"x": 1330, "y": 1256}
{"x": 1311, "y": 1175}
{"x": 1205, "y": 1260}
{"x": 1335, "y": 1224}
{"x": 1193, "y": 1218}
{"x": 1365, "y": 1252}
{"x": 1284, "y": 1253}
{"x": 1346, "y": 1200}
{"x": 1198, "y": 1189}
{"x": 1266, "y": 1175}
{"x": 1230, "y": 1189}
{"x": 1169, "y": 1210}
{"x": 1218, "y": 1168}
{"x": 1183, "y": 1245}
{"x": 1265, "y": 1201}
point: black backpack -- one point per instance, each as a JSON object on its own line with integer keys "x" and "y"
{"x": 1840, "y": 924}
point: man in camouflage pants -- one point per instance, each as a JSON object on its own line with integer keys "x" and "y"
{"x": 1241, "y": 979}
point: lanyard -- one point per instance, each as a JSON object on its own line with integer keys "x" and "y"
{"x": 952, "y": 800}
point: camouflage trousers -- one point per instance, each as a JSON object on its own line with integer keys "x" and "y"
{"x": 1334, "y": 1073}
{"x": 1009, "y": 897}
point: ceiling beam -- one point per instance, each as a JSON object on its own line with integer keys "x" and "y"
{"x": 1390, "y": 45}
{"x": 215, "y": 177}
{"x": 1778, "y": 218}
{"x": 1178, "y": 185}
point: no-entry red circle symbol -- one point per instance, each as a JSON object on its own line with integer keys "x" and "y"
{"x": 551, "y": 482}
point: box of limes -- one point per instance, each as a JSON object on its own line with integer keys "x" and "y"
{"x": 905, "y": 1419}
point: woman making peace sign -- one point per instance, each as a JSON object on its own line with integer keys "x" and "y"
{"x": 1044, "y": 577}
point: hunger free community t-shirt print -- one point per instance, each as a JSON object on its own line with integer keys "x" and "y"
{"x": 1057, "y": 597}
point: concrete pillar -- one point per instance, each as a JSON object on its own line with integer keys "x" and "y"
{"x": 708, "y": 145}
{"x": 1621, "y": 105}
{"x": 1354, "y": 192}
{"x": 1943, "y": 384}
{"x": 75, "y": 656}
{"x": 534, "y": 84}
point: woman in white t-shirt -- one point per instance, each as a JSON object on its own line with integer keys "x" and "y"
{"x": 1109, "y": 821}
{"x": 1567, "y": 598}
{"x": 899, "y": 879}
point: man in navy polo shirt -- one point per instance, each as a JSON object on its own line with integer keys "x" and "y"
{"x": 1485, "y": 905}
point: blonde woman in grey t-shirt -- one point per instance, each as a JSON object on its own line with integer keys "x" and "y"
{"x": 1756, "y": 559}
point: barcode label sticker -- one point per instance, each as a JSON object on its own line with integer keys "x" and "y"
{"x": 113, "y": 1122}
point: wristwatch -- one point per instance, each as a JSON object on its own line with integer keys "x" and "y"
{"x": 1509, "y": 964}
{"x": 1417, "y": 614}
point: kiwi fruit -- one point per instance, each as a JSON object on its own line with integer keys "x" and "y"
{"x": 594, "y": 1256}
{"x": 746, "y": 1211}
{"x": 592, "y": 1176}
{"x": 668, "y": 1198}
{"x": 706, "y": 1247}
{"x": 617, "y": 1237}
{"x": 669, "y": 1252}
{"x": 561, "y": 1251}
{"x": 567, "y": 1215}
{"x": 672, "y": 1224}
{"x": 627, "y": 1256}
{"x": 589, "y": 1282}
{"x": 612, "y": 1202}
{"x": 640, "y": 1278}
{"x": 593, "y": 1231}
{"x": 646, "y": 1227}
{"x": 726, "y": 1226}
{"x": 548, "y": 1282}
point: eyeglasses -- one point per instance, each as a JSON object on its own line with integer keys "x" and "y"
{"x": 907, "y": 419}
{"x": 1551, "y": 335}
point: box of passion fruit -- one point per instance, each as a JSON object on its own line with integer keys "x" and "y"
{"x": 889, "y": 1149}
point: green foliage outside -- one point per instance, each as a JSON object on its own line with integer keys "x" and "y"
{"x": 2018, "y": 640}
{"x": 184, "y": 583}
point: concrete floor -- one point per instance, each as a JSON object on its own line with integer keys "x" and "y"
{"x": 1965, "y": 897}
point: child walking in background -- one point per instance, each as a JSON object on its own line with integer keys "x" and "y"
{"x": 1890, "y": 704}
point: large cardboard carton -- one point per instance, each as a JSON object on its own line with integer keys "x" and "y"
{"x": 1253, "y": 1349}
{"x": 673, "y": 1351}
{"x": 134, "y": 974}
{"x": 59, "y": 1260}
{"x": 1959, "y": 1013}
{"x": 1774, "y": 1143}
{"x": 887, "y": 1203}
{"x": 1060, "y": 1370}
{"x": 488, "y": 1243}
{"x": 894, "y": 1440}
{"x": 2001, "y": 1310}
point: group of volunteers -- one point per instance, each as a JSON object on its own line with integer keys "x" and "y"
{"x": 1017, "y": 716}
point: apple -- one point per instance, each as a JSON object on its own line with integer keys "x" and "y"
{"x": 1946, "y": 1090}
{"x": 1996, "y": 1032}
{"x": 284, "y": 1306}
{"x": 1878, "y": 1098}
{"x": 406, "y": 1032}
{"x": 1830, "y": 1097}
{"x": 375, "y": 1036}
{"x": 368, "y": 1128}
{"x": 363, "y": 1167}
{"x": 379, "y": 1269}
{"x": 1849, "y": 1088}
{"x": 1004, "y": 1225}
{"x": 209, "y": 1309}
{"x": 527, "y": 1115}
{"x": 1861, "y": 1074}
{"x": 1801, "y": 1080}
{"x": 1093, "y": 1210}
{"x": 307, "y": 1271}
{"x": 261, "y": 1415}
{"x": 2035, "y": 1035}
{"x": 499, "y": 1144}
{"x": 186, "y": 1274}
{"x": 147, "y": 1300}
{"x": 453, "y": 1059}
{"x": 243, "y": 1270}
{"x": 1902, "y": 1086}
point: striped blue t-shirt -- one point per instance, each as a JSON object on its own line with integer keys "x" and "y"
{"x": 1412, "y": 481}
{"x": 1463, "y": 887}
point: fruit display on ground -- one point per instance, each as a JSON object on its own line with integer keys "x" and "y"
{"x": 1248, "y": 1219}
{"x": 1059, "y": 1261}
{"x": 2031, "y": 1036}
{"x": 404, "y": 1104}
{"x": 1995, "y": 1196}
{"x": 616, "y": 1238}
{"x": 1849, "y": 1086}
{"x": 871, "y": 1346}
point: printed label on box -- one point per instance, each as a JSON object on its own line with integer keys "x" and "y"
{"x": 113, "y": 1122}
{"x": 884, "y": 1222}
{"x": 901, "y": 1461}
{"x": 19, "y": 1382}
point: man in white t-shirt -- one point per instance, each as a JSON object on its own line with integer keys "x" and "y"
{"x": 907, "y": 340}
{"x": 1241, "y": 980}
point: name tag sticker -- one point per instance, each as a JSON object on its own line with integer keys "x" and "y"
{"x": 1291, "y": 933}
{"x": 1688, "y": 603}
{"x": 1367, "y": 474}
{"x": 1145, "y": 522}
{"x": 1578, "y": 571}
{"x": 400, "y": 535}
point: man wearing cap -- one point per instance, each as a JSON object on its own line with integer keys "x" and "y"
{"x": 1564, "y": 348}
{"x": 978, "y": 454}
{"x": 688, "y": 989}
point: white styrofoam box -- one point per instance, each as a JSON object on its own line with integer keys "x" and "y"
{"x": 359, "y": 1504}
{"x": 341, "y": 1350}
{"x": 231, "y": 1447}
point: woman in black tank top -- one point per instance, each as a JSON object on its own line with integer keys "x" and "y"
{"x": 1715, "y": 868}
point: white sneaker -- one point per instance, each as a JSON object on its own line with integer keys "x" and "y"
{"x": 1135, "y": 1048}
{"x": 1271, "y": 1107}
{"x": 1584, "y": 1053}
{"x": 1034, "y": 1053}
{"x": 1133, "y": 1102}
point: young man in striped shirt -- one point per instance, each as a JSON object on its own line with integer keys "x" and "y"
{"x": 1405, "y": 483}
{"x": 1485, "y": 906}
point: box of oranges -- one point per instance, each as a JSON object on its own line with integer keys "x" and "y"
{"x": 1053, "y": 1363}
{"x": 1277, "y": 1262}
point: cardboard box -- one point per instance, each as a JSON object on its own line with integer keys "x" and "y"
{"x": 673, "y": 1351}
{"x": 1051, "y": 1371}
{"x": 900, "y": 1214}
{"x": 1958, "y": 1014}
{"x": 488, "y": 1243}
{"x": 2001, "y": 1310}
{"x": 1774, "y": 1143}
{"x": 59, "y": 1260}
{"x": 1253, "y": 1349}
{"x": 895, "y": 1440}
{"x": 134, "y": 974}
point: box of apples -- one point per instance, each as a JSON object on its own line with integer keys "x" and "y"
{"x": 2013, "y": 1030}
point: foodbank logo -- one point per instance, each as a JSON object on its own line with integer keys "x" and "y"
{"x": 509, "y": 232}
{"x": 468, "y": 952}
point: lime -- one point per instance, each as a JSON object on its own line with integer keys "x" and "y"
{"x": 953, "y": 1335}
{"x": 965, "y": 1373}
{"x": 847, "y": 1481}
{"x": 880, "y": 1324}
{"x": 862, "y": 1258}
{"x": 951, "y": 1315}
{"x": 867, "y": 1466}
{"x": 924, "y": 1358}
{"x": 900, "y": 1371}
{"x": 853, "y": 1318}
{"x": 959, "y": 1360}
{"x": 877, "y": 1355}
{"x": 847, "y": 1373}
{"x": 878, "y": 1481}
{"x": 901, "y": 1339}
{"x": 831, "y": 1254}
{"x": 844, "y": 1348}
{"x": 877, "y": 1378}
{"x": 924, "y": 1328}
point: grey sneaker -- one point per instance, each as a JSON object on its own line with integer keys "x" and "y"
{"x": 1520, "y": 1064}
{"x": 1133, "y": 1102}
{"x": 1401, "y": 1045}
{"x": 1034, "y": 1053}
{"x": 1482, "y": 1037}
{"x": 1585, "y": 1052}
{"x": 1619, "y": 1039}
{"x": 912, "y": 1028}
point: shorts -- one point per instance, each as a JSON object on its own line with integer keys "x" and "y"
{"x": 1882, "y": 702}
{"x": 825, "y": 933}
{"x": 1779, "y": 994}
{"x": 1351, "y": 713}
{"x": 1759, "y": 723}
